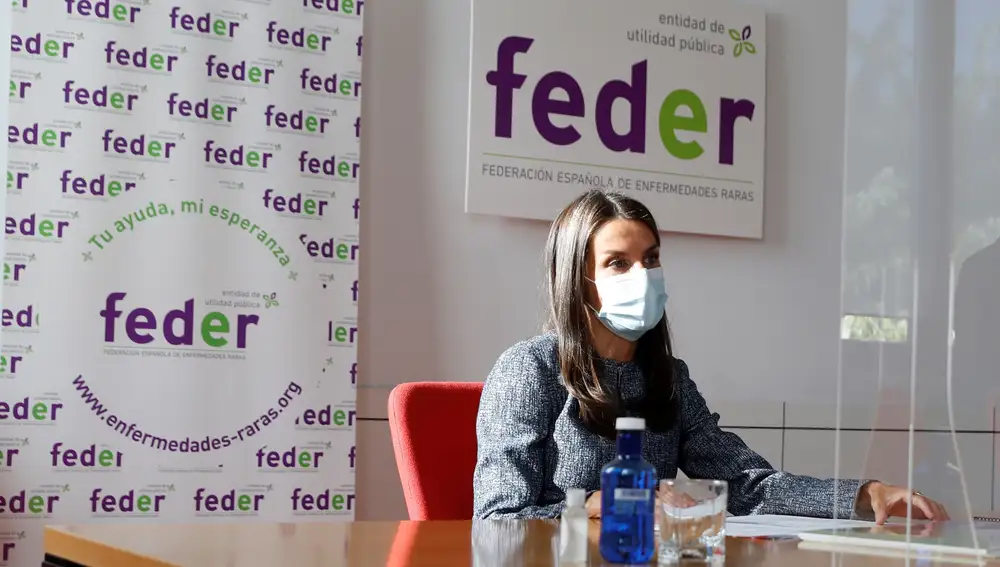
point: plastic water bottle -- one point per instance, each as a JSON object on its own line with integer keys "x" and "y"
{"x": 628, "y": 493}
{"x": 573, "y": 528}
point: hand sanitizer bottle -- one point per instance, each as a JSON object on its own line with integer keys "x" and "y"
{"x": 573, "y": 528}
{"x": 628, "y": 492}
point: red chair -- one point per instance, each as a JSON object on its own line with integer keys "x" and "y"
{"x": 433, "y": 428}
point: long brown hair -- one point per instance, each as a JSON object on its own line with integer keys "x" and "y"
{"x": 566, "y": 261}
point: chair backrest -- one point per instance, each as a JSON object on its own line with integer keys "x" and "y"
{"x": 433, "y": 428}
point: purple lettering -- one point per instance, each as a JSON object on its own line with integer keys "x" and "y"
{"x": 214, "y": 328}
{"x": 328, "y": 167}
{"x": 142, "y": 58}
{"x": 345, "y": 7}
{"x": 203, "y": 24}
{"x": 103, "y": 10}
{"x": 329, "y": 84}
{"x": 635, "y": 94}
{"x": 543, "y": 105}
{"x": 231, "y": 501}
{"x": 241, "y": 72}
{"x": 296, "y": 204}
{"x": 324, "y": 501}
{"x": 297, "y": 121}
{"x": 330, "y": 249}
{"x": 31, "y": 226}
{"x": 729, "y": 111}
{"x": 101, "y": 97}
{"x": 236, "y": 157}
{"x": 327, "y": 417}
{"x": 89, "y": 457}
{"x": 21, "y": 504}
{"x": 99, "y": 186}
{"x": 138, "y": 147}
{"x": 506, "y": 82}
{"x": 128, "y": 503}
{"x": 299, "y": 37}
{"x": 202, "y": 109}
{"x": 35, "y": 45}
{"x": 571, "y": 102}
{"x": 33, "y": 135}
{"x": 293, "y": 458}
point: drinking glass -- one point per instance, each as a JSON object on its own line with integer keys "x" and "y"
{"x": 691, "y": 520}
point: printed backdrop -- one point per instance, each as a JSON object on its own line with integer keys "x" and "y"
{"x": 180, "y": 274}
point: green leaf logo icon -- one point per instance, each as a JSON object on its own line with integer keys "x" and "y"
{"x": 271, "y": 300}
{"x": 742, "y": 40}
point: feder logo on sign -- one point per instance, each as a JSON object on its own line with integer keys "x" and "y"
{"x": 325, "y": 502}
{"x": 334, "y": 85}
{"x": 240, "y": 157}
{"x": 33, "y": 136}
{"x": 202, "y": 109}
{"x": 177, "y": 327}
{"x": 38, "y": 503}
{"x": 295, "y": 121}
{"x": 296, "y": 204}
{"x": 338, "y": 7}
{"x": 37, "y": 46}
{"x": 326, "y": 417}
{"x": 145, "y": 502}
{"x": 35, "y": 228}
{"x": 232, "y": 502}
{"x": 295, "y": 459}
{"x": 87, "y": 459}
{"x": 26, "y": 319}
{"x": 558, "y": 94}
{"x": 203, "y": 24}
{"x": 142, "y": 59}
{"x": 100, "y": 185}
{"x": 103, "y": 10}
{"x": 240, "y": 72}
{"x": 140, "y": 147}
{"x": 103, "y": 97}
{"x": 30, "y": 412}
{"x": 297, "y": 38}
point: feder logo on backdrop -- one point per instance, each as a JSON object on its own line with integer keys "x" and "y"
{"x": 180, "y": 276}
{"x": 671, "y": 111}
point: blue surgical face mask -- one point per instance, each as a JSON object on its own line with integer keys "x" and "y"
{"x": 632, "y": 303}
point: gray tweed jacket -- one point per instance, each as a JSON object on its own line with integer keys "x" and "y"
{"x": 532, "y": 446}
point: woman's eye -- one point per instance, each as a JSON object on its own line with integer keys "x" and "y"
{"x": 618, "y": 263}
{"x": 653, "y": 261}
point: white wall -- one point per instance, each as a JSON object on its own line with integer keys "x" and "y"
{"x": 443, "y": 292}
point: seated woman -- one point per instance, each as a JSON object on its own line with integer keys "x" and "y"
{"x": 547, "y": 415}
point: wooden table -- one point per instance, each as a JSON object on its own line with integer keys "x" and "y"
{"x": 370, "y": 544}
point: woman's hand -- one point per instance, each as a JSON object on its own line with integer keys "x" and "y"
{"x": 594, "y": 505}
{"x": 887, "y": 501}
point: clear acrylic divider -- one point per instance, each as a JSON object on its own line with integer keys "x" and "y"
{"x": 919, "y": 369}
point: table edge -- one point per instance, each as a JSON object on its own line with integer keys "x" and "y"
{"x": 84, "y": 551}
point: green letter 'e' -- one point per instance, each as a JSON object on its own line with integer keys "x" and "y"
{"x": 670, "y": 122}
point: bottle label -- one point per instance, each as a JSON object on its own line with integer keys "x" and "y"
{"x": 632, "y": 494}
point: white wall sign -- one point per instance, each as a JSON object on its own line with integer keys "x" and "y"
{"x": 663, "y": 101}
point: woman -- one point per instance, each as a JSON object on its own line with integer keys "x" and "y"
{"x": 547, "y": 414}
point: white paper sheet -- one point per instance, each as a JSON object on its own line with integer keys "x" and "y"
{"x": 778, "y": 526}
